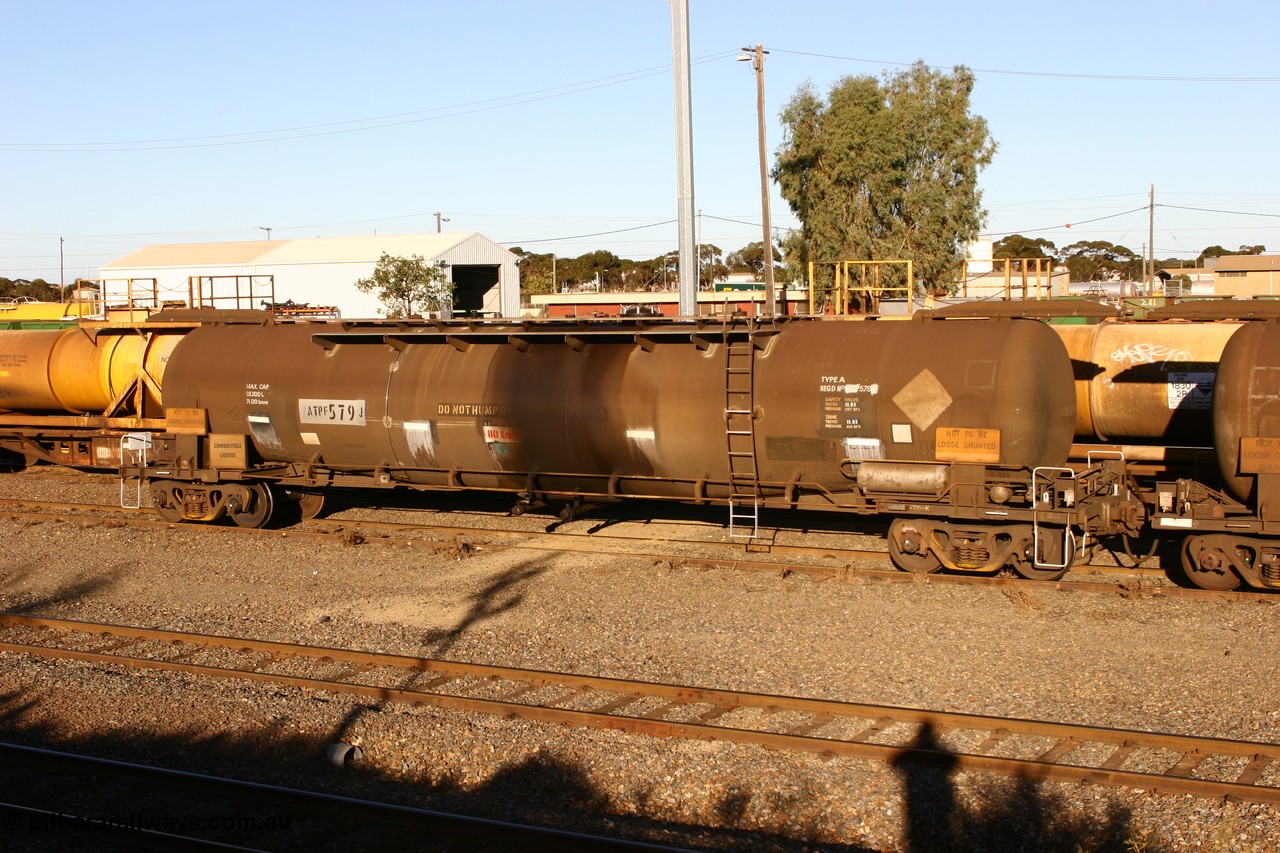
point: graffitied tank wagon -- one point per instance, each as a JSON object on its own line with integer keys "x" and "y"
{"x": 1146, "y": 381}
{"x": 1152, "y": 380}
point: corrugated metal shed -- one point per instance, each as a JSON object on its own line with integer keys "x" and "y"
{"x": 323, "y": 271}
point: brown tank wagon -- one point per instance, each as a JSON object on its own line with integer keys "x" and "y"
{"x": 958, "y": 429}
{"x": 646, "y": 405}
{"x": 1233, "y": 534}
{"x": 962, "y": 425}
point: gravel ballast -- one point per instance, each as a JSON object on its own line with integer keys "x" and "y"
{"x": 1140, "y": 662}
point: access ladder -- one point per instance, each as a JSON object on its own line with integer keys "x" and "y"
{"x": 740, "y": 434}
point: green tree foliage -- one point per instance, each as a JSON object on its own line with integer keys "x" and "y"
{"x": 1018, "y": 246}
{"x": 711, "y": 266}
{"x": 1218, "y": 252}
{"x": 887, "y": 169}
{"x": 749, "y": 259}
{"x": 794, "y": 252}
{"x": 38, "y": 289}
{"x": 536, "y": 272}
{"x": 1098, "y": 260}
{"x": 408, "y": 286}
{"x": 601, "y": 265}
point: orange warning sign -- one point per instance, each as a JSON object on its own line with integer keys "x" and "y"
{"x": 185, "y": 421}
{"x": 1260, "y": 455}
{"x": 965, "y": 444}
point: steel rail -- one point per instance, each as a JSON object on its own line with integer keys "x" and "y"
{"x": 668, "y": 710}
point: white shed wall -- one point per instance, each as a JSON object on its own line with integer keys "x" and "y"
{"x": 332, "y": 281}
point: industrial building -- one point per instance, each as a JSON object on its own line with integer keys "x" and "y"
{"x": 1246, "y": 276}
{"x": 323, "y": 271}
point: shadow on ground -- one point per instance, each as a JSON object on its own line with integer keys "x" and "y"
{"x": 542, "y": 787}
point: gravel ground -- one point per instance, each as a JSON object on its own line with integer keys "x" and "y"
{"x": 1140, "y": 663}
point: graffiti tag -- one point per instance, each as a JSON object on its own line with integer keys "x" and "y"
{"x": 1149, "y": 354}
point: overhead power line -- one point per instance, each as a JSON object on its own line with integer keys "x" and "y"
{"x": 1067, "y": 224}
{"x": 1150, "y": 78}
{"x": 1211, "y": 210}
{"x": 341, "y": 127}
{"x": 1128, "y": 212}
{"x": 581, "y": 236}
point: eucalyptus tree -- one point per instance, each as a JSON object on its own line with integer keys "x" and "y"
{"x": 1101, "y": 260}
{"x": 887, "y": 168}
{"x": 750, "y": 259}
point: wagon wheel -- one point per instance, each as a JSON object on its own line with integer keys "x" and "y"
{"x": 1029, "y": 570}
{"x": 1207, "y": 566}
{"x": 167, "y": 498}
{"x": 259, "y": 511}
{"x": 310, "y": 504}
{"x": 1137, "y": 549}
{"x": 918, "y": 558}
{"x": 1033, "y": 573}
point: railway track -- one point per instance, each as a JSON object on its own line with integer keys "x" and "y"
{"x": 831, "y": 563}
{"x": 1164, "y": 763}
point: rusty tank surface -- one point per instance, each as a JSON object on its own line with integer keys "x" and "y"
{"x": 1246, "y": 410}
{"x": 1146, "y": 381}
{"x": 491, "y": 405}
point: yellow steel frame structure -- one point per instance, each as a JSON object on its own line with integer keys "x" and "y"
{"x": 842, "y": 292}
{"x": 1041, "y": 283}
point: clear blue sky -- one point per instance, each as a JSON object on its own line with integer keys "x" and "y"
{"x": 546, "y": 125}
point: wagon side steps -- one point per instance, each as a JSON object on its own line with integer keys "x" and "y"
{"x": 135, "y": 450}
